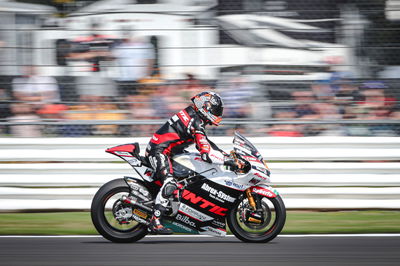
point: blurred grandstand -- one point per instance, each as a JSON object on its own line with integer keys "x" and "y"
{"x": 120, "y": 68}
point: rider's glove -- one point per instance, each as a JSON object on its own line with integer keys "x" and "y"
{"x": 231, "y": 163}
{"x": 236, "y": 163}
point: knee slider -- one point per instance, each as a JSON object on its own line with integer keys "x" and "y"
{"x": 169, "y": 189}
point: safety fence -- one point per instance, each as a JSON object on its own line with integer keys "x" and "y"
{"x": 310, "y": 173}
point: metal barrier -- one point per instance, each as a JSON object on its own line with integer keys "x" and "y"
{"x": 310, "y": 173}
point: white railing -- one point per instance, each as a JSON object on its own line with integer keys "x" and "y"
{"x": 310, "y": 173}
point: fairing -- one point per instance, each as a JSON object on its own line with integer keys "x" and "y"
{"x": 205, "y": 203}
{"x": 127, "y": 152}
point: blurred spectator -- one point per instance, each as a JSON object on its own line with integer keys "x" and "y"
{"x": 87, "y": 57}
{"x": 376, "y": 106}
{"x": 24, "y": 113}
{"x": 140, "y": 108}
{"x": 5, "y": 108}
{"x": 52, "y": 112}
{"x": 88, "y": 52}
{"x": 374, "y": 94}
{"x": 329, "y": 111}
{"x": 34, "y": 88}
{"x": 322, "y": 89}
{"x": 135, "y": 60}
{"x": 77, "y": 112}
{"x": 285, "y": 130}
{"x": 42, "y": 94}
{"x": 305, "y": 109}
{"x": 395, "y": 115}
{"x": 191, "y": 86}
{"x": 103, "y": 109}
{"x": 348, "y": 93}
{"x": 148, "y": 86}
{"x": 236, "y": 93}
{"x": 93, "y": 108}
{"x": 159, "y": 102}
{"x": 94, "y": 85}
{"x": 167, "y": 100}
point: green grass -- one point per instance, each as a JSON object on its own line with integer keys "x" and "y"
{"x": 56, "y": 223}
{"x": 342, "y": 222}
{"x": 298, "y": 222}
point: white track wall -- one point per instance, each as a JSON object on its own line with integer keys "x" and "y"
{"x": 310, "y": 173}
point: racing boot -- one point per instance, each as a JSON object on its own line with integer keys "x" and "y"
{"x": 161, "y": 203}
{"x": 155, "y": 224}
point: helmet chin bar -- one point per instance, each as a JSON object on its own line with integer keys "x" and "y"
{"x": 209, "y": 106}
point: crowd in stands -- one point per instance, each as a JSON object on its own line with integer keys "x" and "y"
{"x": 117, "y": 107}
{"x": 36, "y": 99}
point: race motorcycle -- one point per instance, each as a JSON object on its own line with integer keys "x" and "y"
{"x": 208, "y": 197}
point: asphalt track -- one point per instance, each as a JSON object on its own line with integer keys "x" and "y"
{"x": 284, "y": 250}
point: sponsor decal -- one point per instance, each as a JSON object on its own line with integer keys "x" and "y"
{"x": 213, "y": 101}
{"x": 235, "y": 185}
{"x": 203, "y": 203}
{"x": 219, "y": 158}
{"x": 254, "y": 181}
{"x": 262, "y": 170}
{"x": 243, "y": 150}
{"x": 133, "y": 185}
{"x": 250, "y": 158}
{"x": 203, "y": 140}
{"x": 183, "y": 116}
{"x": 218, "y": 224}
{"x": 194, "y": 213}
{"x": 183, "y": 227}
{"x": 204, "y": 147}
{"x": 148, "y": 173}
{"x": 260, "y": 176}
{"x": 185, "y": 219}
{"x": 263, "y": 191}
{"x": 144, "y": 192}
{"x": 137, "y": 190}
{"x": 214, "y": 231}
{"x": 189, "y": 126}
{"x": 217, "y": 193}
{"x": 123, "y": 153}
{"x": 140, "y": 213}
{"x": 134, "y": 161}
{"x": 155, "y": 138}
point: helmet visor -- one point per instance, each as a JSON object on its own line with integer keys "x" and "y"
{"x": 217, "y": 110}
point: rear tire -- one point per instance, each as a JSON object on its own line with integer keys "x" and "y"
{"x": 100, "y": 221}
{"x": 274, "y": 221}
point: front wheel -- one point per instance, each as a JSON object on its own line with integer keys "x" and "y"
{"x": 274, "y": 216}
{"x": 112, "y": 219}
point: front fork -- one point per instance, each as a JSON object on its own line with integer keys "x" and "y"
{"x": 251, "y": 200}
{"x": 255, "y": 215}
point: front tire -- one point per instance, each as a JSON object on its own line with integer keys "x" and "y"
{"x": 275, "y": 216}
{"x": 103, "y": 218}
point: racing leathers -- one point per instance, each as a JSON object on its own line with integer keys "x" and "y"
{"x": 180, "y": 131}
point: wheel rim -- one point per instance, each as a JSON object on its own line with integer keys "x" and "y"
{"x": 252, "y": 230}
{"x": 113, "y": 208}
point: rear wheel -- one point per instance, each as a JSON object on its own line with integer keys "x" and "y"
{"x": 111, "y": 217}
{"x": 273, "y": 212}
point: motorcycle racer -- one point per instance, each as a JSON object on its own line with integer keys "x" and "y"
{"x": 181, "y": 130}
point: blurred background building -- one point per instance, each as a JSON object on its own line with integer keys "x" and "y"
{"x": 121, "y": 67}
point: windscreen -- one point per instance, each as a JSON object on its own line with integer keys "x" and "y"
{"x": 244, "y": 147}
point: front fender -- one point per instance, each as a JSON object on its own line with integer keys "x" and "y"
{"x": 265, "y": 191}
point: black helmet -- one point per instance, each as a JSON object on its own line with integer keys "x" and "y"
{"x": 209, "y": 106}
